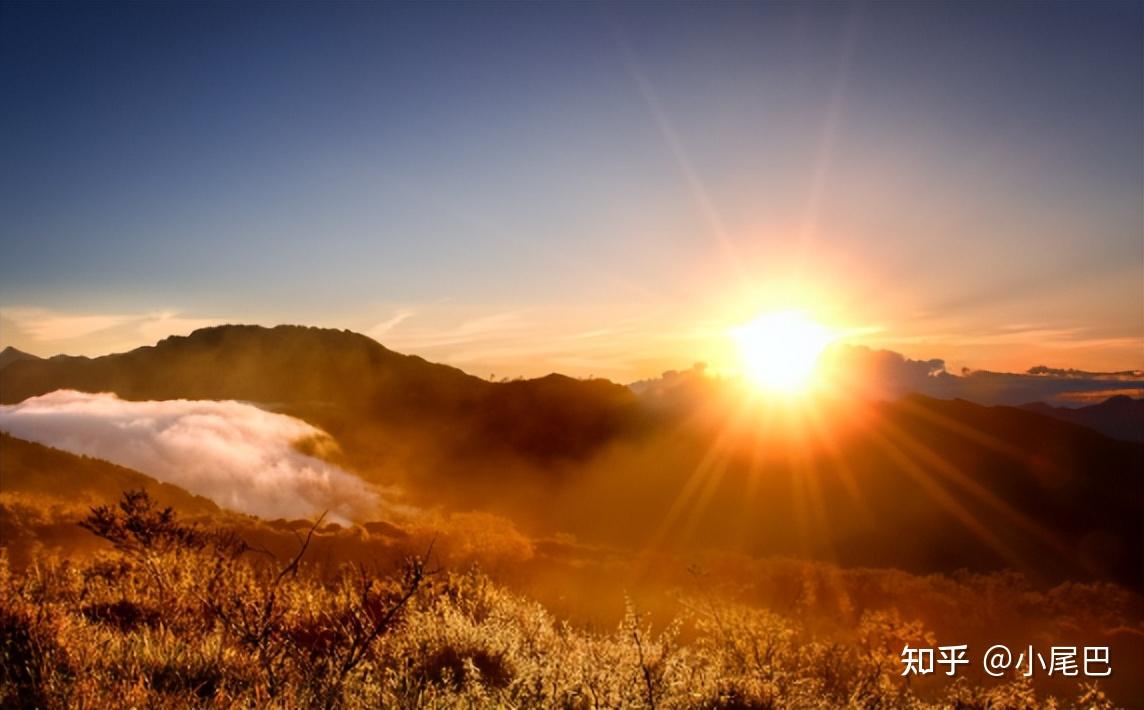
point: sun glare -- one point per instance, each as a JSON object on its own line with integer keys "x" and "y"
{"x": 780, "y": 351}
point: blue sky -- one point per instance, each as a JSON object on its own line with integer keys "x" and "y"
{"x": 585, "y": 187}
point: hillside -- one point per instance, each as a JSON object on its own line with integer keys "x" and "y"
{"x": 351, "y": 386}
{"x": 286, "y": 364}
{"x": 33, "y": 469}
{"x": 44, "y": 492}
{"x": 1120, "y": 417}
{"x": 919, "y": 484}
{"x": 10, "y": 354}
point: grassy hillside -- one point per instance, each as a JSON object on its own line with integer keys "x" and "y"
{"x": 196, "y": 613}
{"x": 179, "y": 616}
{"x": 37, "y": 470}
{"x": 45, "y": 492}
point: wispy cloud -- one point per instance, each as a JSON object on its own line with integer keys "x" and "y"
{"x": 1018, "y": 345}
{"x": 45, "y": 331}
{"x": 480, "y": 329}
{"x": 160, "y": 325}
{"x": 384, "y": 327}
{"x": 43, "y": 325}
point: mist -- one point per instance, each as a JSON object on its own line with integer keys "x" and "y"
{"x": 239, "y": 456}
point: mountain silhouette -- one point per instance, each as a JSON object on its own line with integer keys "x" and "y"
{"x": 34, "y": 469}
{"x": 1121, "y": 417}
{"x": 45, "y": 492}
{"x": 10, "y": 354}
{"x": 350, "y": 385}
{"x": 920, "y": 484}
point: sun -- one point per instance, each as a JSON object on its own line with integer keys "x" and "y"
{"x": 780, "y": 351}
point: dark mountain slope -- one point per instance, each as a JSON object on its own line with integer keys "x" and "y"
{"x": 1035, "y": 485}
{"x": 45, "y": 492}
{"x": 919, "y": 484}
{"x": 34, "y": 469}
{"x": 10, "y": 354}
{"x": 286, "y": 364}
{"x": 1121, "y": 417}
{"x": 361, "y": 392}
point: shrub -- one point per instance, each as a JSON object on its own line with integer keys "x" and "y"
{"x": 179, "y": 616}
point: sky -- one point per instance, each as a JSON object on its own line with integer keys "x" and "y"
{"x": 596, "y": 189}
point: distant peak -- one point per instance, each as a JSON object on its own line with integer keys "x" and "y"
{"x": 216, "y": 333}
{"x": 10, "y": 354}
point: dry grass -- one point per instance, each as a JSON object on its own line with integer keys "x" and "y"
{"x": 177, "y": 617}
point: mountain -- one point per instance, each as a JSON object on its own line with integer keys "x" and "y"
{"x": 45, "y": 492}
{"x": 367, "y": 396}
{"x": 10, "y": 354}
{"x": 287, "y": 364}
{"x": 919, "y": 484}
{"x": 28, "y": 468}
{"x": 1120, "y": 417}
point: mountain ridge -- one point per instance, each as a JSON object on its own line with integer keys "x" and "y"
{"x": 333, "y": 377}
{"x": 1120, "y": 417}
{"x": 32, "y": 468}
{"x": 10, "y": 354}
{"x": 45, "y": 491}
{"x": 944, "y": 479}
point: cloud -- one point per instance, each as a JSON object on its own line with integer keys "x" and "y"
{"x": 44, "y": 325}
{"x": 859, "y": 371}
{"x": 47, "y": 332}
{"x": 236, "y": 454}
{"x": 887, "y": 375}
{"x": 492, "y": 328}
{"x": 385, "y": 326}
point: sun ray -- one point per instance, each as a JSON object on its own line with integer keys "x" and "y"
{"x": 908, "y": 465}
{"x": 780, "y": 351}
{"x": 954, "y": 475}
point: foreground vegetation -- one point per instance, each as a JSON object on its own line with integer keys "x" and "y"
{"x": 183, "y": 615}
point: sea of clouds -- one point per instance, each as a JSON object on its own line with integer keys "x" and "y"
{"x": 241, "y": 457}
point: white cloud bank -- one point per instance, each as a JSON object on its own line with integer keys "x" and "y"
{"x": 236, "y": 454}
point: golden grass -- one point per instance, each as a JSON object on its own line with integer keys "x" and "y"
{"x": 176, "y": 617}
